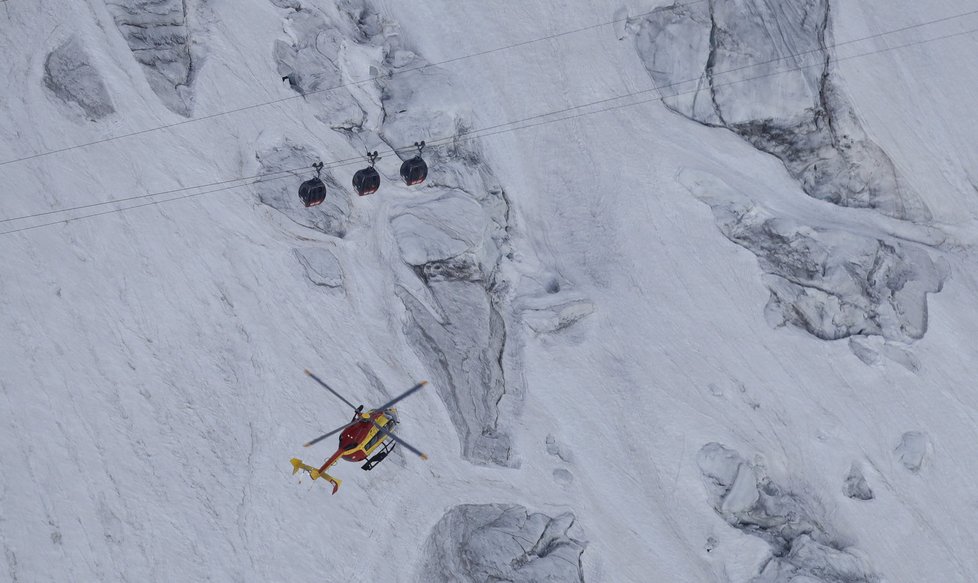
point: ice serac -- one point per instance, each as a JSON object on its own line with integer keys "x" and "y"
{"x": 474, "y": 543}
{"x": 802, "y": 544}
{"x": 455, "y": 243}
{"x": 310, "y": 62}
{"x": 159, "y": 37}
{"x": 831, "y": 282}
{"x": 72, "y": 77}
{"x": 768, "y": 78}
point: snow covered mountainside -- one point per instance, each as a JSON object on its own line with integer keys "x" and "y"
{"x": 693, "y": 285}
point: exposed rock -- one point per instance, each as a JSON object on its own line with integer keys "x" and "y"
{"x": 856, "y": 486}
{"x": 72, "y": 78}
{"x": 913, "y": 450}
{"x": 477, "y": 543}
{"x": 160, "y": 40}
{"x": 802, "y": 547}
{"x": 330, "y": 217}
{"x": 768, "y": 79}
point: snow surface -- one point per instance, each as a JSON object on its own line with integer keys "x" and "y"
{"x": 605, "y": 372}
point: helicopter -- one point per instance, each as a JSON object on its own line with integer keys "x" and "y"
{"x": 366, "y": 433}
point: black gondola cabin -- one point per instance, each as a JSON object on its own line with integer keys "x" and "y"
{"x": 366, "y": 181}
{"x": 312, "y": 192}
{"x": 414, "y": 171}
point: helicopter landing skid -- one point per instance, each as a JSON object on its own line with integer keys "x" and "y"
{"x": 372, "y": 462}
{"x": 314, "y": 473}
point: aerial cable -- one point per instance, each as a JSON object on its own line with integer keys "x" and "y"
{"x": 480, "y": 132}
{"x": 328, "y": 89}
{"x": 438, "y": 64}
{"x": 140, "y": 196}
{"x": 819, "y": 49}
{"x": 135, "y": 206}
{"x": 477, "y": 134}
{"x": 455, "y": 139}
{"x": 501, "y": 127}
{"x": 441, "y": 141}
{"x": 498, "y": 49}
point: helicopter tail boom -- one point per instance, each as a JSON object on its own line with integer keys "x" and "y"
{"x": 314, "y": 473}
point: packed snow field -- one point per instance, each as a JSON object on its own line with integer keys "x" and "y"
{"x": 693, "y": 285}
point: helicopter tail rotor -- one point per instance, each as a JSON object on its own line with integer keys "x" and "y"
{"x": 314, "y": 473}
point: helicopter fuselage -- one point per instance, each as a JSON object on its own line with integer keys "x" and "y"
{"x": 362, "y": 437}
{"x": 366, "y": 432}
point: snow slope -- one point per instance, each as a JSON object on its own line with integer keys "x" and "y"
{"x": 608, "y": 385}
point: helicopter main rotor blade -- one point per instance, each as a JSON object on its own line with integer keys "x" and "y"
{"x": 407, "y": 445}
{"x": 325, "y": 435}
{"x": 330, "y": 389}
{"x": 403, "y": 395}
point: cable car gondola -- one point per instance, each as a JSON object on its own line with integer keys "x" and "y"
{"x": 312, "y": 192}
{"x": 415, "y": 170}
{"x": 367, "y": 180}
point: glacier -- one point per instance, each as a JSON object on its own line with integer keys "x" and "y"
{"x": 722, "y": 334}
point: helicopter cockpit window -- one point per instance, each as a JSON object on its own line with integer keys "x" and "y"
{"x": 373, "y": 441}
